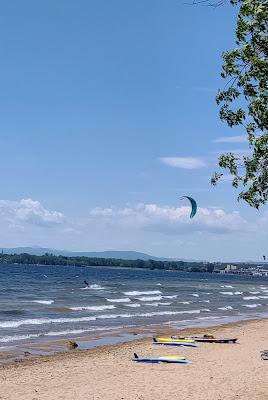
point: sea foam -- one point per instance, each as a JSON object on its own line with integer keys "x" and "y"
{"x": 93, "y": 308}
{"x": 148, "y": 298}
{"x": 122, "y": 300}
{"x": 140, "y": 293}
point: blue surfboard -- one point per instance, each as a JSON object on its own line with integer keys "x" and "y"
{"x": 161, "y": 360}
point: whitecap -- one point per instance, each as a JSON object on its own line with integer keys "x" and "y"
{"x": 225, "y": 308}
{"x": 250, "y": 298}
{"x": 195, "y": 295}
{"x": 157, "y": 304}
{"x": 138, "y": 293}
{"x": 93, "y": 308}
{"x": 254, "y": 292}
{"x": 174, "y": 296}
{"x": 93, "y": 287}
{"x": 251, "y": 305}
{"x": 227, "y": 293}
{"x": 227, "y": 286}
{"x": 204, "y": 301}
{"x": 133, "y": 305}
{"x": 15, "y": 338}
{"x": 148, "y": 298}
{"x": 43, "y": 321}
{"x": 43, "y": 301}
{"x": 122, "y": 300}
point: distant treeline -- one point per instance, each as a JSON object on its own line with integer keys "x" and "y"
{"x": 50, "y": 259}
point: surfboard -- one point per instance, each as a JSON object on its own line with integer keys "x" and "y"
{"x": 168, "y": 339}
{"x": 212, "y": 339}
{"x": 186, "y": 344}
{"x": 168, "y": 359}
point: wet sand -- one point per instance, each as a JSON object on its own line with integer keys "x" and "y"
{"x": 218, "y": 371}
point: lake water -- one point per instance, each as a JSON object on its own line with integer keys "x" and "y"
{"x": 40, "y": 303}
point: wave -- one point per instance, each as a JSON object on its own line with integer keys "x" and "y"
{"x": 16, "y": 338}
{"x": 204, "y": 301}
{"x": 228, "y": 293}
{"x": 238, "y": 293}
{"x": 123, "y": 300}
{"x": 43, "y": 301}
{"x": 138, "y": 293}
{"x": 43, "y": 321}
{"x": 251, "y": 305}
{"x": 184, "y": 302}
{"x": 254, "y": 292}
{"x": 250, "y": 298}
{"x": 227, "y": 286}
{"x": 174, "y": 296}
{"x": 133, "y": 305}
{"x": 148, "y": 298}
{"x": 158, "y": 304}
{"x": 263, "y": 297}
{"x": 93, "y": 308}
{"x": 225, "y": 308}
{"x": 195, "y": 295}
{"x": 93, "y": 287}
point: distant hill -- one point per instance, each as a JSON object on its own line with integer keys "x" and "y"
{"x": 124, "y": 255}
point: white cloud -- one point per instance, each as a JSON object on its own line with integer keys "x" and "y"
{"x": 231, "y": 139}
{"x": 28, "y": 212}
{"x": 183, "y": 162}
{"x": 169, "y": 220}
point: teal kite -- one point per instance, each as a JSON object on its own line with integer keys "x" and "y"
{"x": 193, "y": 204}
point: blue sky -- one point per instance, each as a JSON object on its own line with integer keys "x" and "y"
{"x": 108, "y": 116}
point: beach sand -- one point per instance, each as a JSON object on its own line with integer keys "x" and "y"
{"x": 218, "y": 371}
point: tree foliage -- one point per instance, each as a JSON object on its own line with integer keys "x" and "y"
{"x": 81, "y": 261}
{"x": 244, "y": 101}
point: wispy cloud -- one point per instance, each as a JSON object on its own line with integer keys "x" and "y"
{"x": 231, "y": 139}
{"x": 183, "y": 162}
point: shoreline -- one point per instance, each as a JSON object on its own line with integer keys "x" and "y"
{"x": 62, "y": 351}
{"x": 51, "y": 348}
{"x": 217, "y": 372}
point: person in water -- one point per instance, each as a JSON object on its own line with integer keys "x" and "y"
{"x": 86, "y": 283}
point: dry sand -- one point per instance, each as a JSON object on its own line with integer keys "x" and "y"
{"x": 218, "y": 371}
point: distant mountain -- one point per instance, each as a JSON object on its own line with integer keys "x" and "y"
{"x": 124, "y": 255}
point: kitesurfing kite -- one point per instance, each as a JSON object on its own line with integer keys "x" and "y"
{"x": 264, "y": 257}
{"x": 193, "y": 204}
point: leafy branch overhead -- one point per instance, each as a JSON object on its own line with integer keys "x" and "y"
{"x": 244, "y": 101}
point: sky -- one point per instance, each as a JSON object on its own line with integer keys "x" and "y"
{"x": 108, "y": 117}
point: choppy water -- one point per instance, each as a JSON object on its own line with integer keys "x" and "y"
{"x": 46, "y": 302}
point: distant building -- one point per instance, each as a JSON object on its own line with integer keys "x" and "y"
{"x": 230, "y": 268}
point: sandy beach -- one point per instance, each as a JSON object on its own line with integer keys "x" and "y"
{"x": 218, "y": 371}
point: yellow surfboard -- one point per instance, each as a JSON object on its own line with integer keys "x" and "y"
{"x": 167, "y": 339}
{"x": 173, "y": 357}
